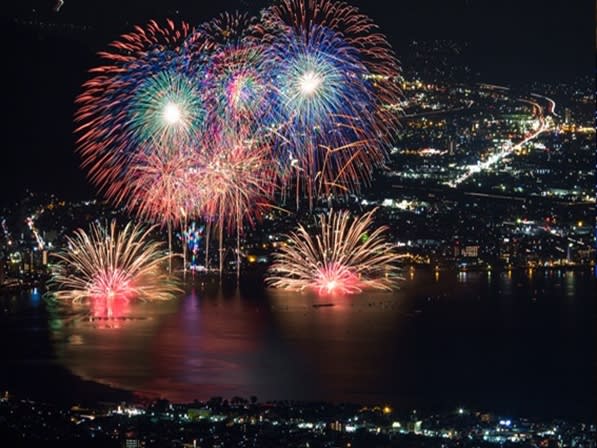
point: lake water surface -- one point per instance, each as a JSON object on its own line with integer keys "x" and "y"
{"x": 518, "y": 343}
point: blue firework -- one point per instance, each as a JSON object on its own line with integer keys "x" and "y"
{"x": 325, "y": 109}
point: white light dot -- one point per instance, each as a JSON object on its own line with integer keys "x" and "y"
{"x": 309, "y": 82}
{"x": 172, "y": 113}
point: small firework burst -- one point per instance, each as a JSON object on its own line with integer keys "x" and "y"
{"x": 161, "y": 186}
{"x": 236, "y": 179}
{"x": 166, "y": 108}
{"x": 108, "y": 264}
{"x": 192, "y": 238}
{"x": 240, "y": 92}
{"x": 339, "y": 260}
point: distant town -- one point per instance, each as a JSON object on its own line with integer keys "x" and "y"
{"x": 244, "y": 422}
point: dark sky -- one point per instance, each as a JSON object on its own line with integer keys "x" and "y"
{"x": 510, "y": 40}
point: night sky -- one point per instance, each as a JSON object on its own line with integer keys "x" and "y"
{"x": 522, "y": 40}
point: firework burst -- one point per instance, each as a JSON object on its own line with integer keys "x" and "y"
{"x": 346, "y": 257}
{"x": 334, "y": 76}
{"x": 145, "y": 94}
{"x": 167, "y": 108}
{"x": 326, "y": 106}
{"x": 161, "y": 186}
{"x": 191, "y": 238}
{"x": 107, "y": 264}
{"x": 237, "y": 183}
{"x": 356, "y": 29}
{"x": 236, "y": 180}
{"x": 240, "y": 91}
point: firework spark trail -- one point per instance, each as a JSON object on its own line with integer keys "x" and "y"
{"x": 104, "y": 264}
{"x": 344, "y": 257}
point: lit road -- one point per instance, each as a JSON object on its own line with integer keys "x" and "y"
{"x": 507, "y": 148}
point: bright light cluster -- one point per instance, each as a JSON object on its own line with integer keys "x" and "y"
{"x": 172, "y": 113}
{"x": 309, "y": 82}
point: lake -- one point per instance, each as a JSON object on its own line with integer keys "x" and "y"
{"x": 520, "y": 343}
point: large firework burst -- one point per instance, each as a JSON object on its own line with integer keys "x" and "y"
{"x": 108, "y": 264}
{"x": 326, "y": 107}
{"x": 167, "y": 108}
{"x": 334, "y": 76}
{"x": 145, "y": 94}
{"x": 357, "y": 30}
{"x": 346, "y": 257}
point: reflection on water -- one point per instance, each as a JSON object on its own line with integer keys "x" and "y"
{"x": 282, "y": 345}
{"x": 496, "y": 341}
{"x": 35, "y": 297}
{"x": 171, "y": 349}
{"x": 109, "y": 312}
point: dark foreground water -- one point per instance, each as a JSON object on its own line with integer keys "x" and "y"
{"x": 520, "y": 344}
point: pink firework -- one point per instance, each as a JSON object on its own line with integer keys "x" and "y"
{"x": 336, "y": 278}
{"x": 237, "y": 182}
{"x": 162, "y": 185}
{"x": 236, "y": 178}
